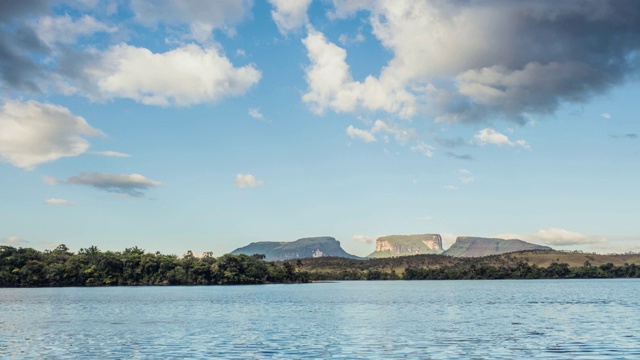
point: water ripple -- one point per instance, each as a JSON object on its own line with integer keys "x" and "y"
{"x": 546, "y": 319}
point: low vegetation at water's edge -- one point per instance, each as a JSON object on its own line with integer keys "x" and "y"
{"x": 26, "y": 267}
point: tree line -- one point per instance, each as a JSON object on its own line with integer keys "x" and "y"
{"x": 27, "y": 267}
{"x": 521, "y": 270}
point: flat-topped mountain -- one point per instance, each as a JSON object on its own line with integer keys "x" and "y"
{"x": 468, "y": 246}
{"x": 403, "y": 245}
{"x": 300, "y": 249}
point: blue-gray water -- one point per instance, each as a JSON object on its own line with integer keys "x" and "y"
{"x": 588, "y": 319}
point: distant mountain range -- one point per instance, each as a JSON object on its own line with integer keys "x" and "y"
{"x": 311, "y": 247}
{"x": 468, "y": 246}
{"x": 387, "y": 246}
{"x": 403, "y": 245}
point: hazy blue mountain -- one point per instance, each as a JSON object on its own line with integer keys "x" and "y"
{"x": 300, "y": 249}
{"x": 469, "y": 246}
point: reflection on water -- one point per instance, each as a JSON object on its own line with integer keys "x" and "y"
{"x": 419, "y": 319}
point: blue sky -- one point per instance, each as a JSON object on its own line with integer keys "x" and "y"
{"x": 198, "y": 125}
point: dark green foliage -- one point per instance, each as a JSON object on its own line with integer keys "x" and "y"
{"x": 438, "y": 267}
{"x": 25, "y": 267}
{"x": 523, "y": 271}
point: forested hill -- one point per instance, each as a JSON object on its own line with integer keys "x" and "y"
{"x": 134, "y": 266}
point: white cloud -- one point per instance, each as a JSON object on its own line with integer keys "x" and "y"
{"x": 496, "y": 68}
{"x": 450, "y": 187}
{"x": 199, "y": 14}
{"x": 127, "y": 184}
{"x": 424, "y": 149}
{"x": 605, "y": 116}
{"x": 617, "y": 249}
{"x": 290, "y": 15}
{"x": 32, "y": 133}
{"x": 490, "y": 136}
{"x": 556, "y": 237}
{"x": 400, "y": 133}
{"x": 255, "y": 113}
{"x": 110, "y": 154}
{"x": 183, "y": 76}
{"x": 56, "y": 201}
{"x": 448, "y": 239}
{"x": 363, "y": 239}
{"x": 13, "y": 240}
{"x": 363, "y": 135}
{"x": 332, "y": 87}
{"x": 247, "y": 181}
{"x": 65, "y": 30}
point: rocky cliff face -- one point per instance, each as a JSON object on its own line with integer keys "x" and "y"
{"x": 468, "y": 246}
{"x": 403, "y": 245}
{"x": 299, "y": 249}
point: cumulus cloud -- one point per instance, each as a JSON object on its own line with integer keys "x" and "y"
{"x": 490, "y": 136}
{"x": 127, "y": 184}
{"x": 605, "y": 116}
{"x": 247, "y": 181}
{"x": 332, "y": 87}
{"x": 363, "y": 135}
{"x": 290, "y": 15}
{"x": 546, "y": 54}
{"x": 13, "y": 9}
{"x": 19, "y": 45}
{"x": 56, "y": 201}
{"x": 66, "y": 30}
{"x": 203, "y": 16}
{"x": 183, "y": 76}
{"x": 110, "y": 154}
{"x": 32, "y": 133}
{"x": 13, "y": 240}
{"x": 363, "y": 239}
{"x": 556, "y": 237}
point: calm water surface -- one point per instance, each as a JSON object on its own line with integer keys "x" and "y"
{"x": 590, "y": 319}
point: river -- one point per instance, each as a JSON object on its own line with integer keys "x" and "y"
{"x": 489, "y": 319}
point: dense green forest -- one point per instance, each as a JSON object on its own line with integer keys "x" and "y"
{"x": 485, "y": 272}
{"x": 439, "y": 267}
{"x": 26, "y": 267}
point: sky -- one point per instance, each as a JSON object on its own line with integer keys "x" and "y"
{"x": 207, "y": 125}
